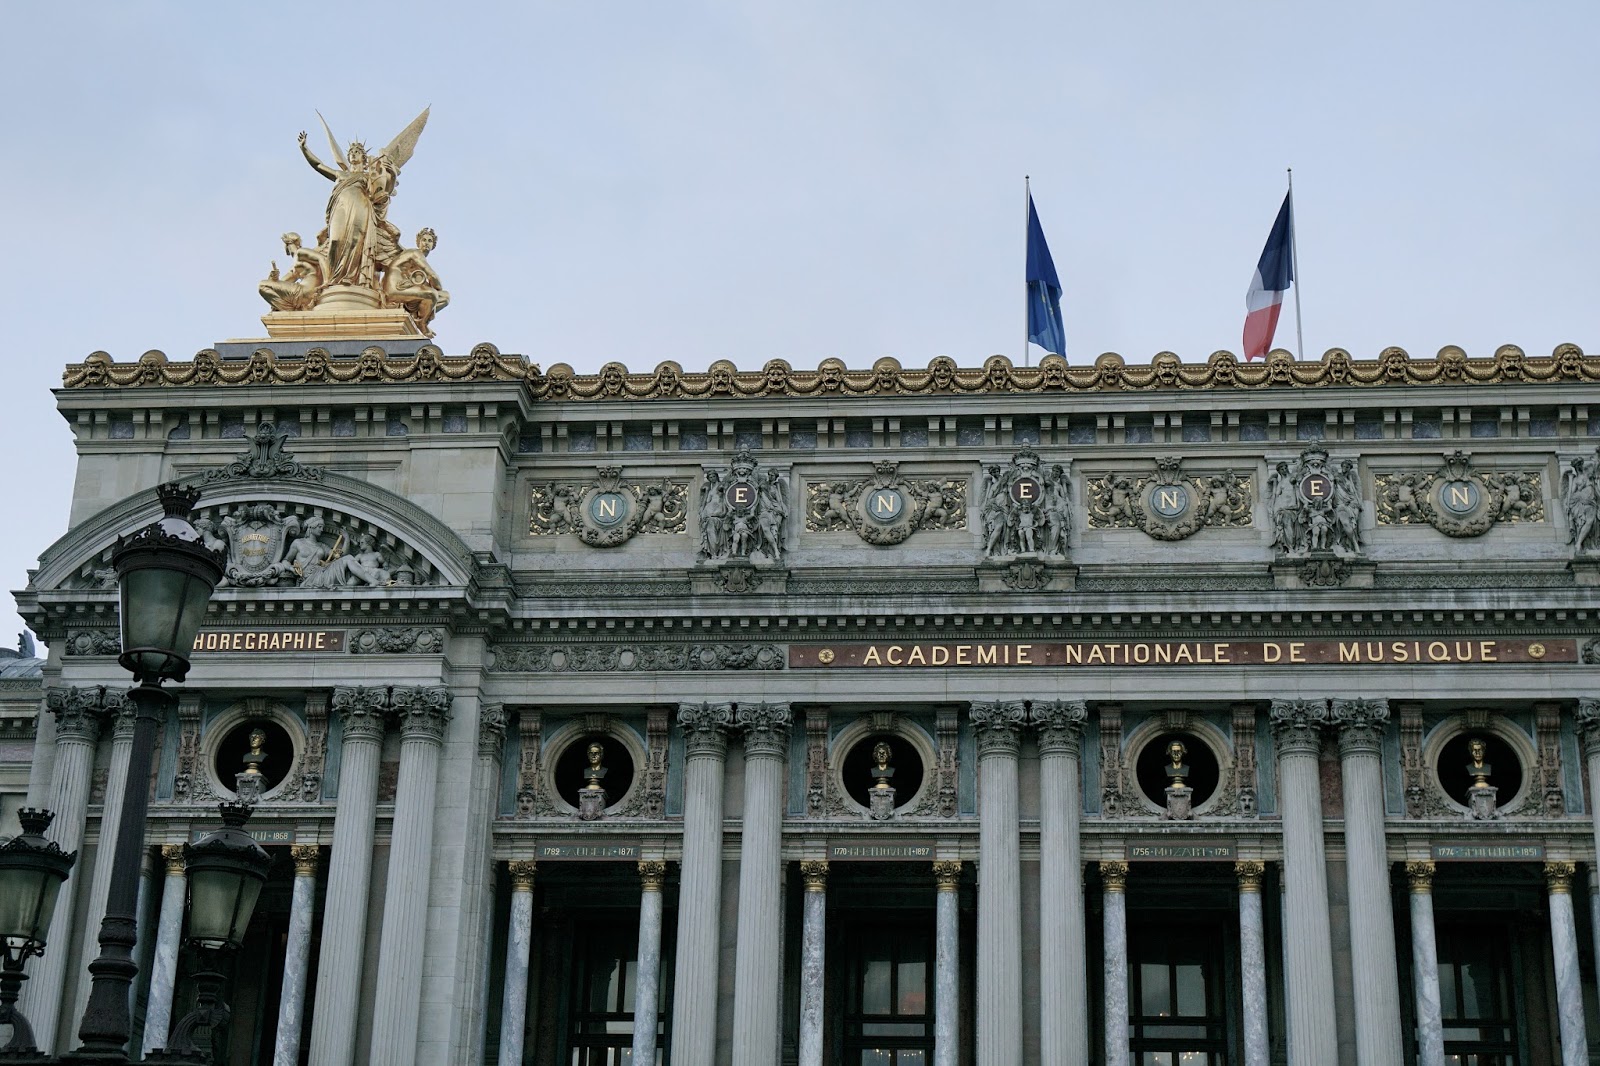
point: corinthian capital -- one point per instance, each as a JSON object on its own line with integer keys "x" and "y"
{"x": 1297, "y": 725}
{"x": 1587, "y": 720}
{"x": 491, "y": 730}
{"x": 1060, "y": 725}
{"x": 1360, "y": 724}
{"x": 422, "y": 711}
{"x": 766, "y": 728}
{"x": 363, "y": 711}
{"x": 999, "y": 726}
{"x": 705, "y": 727}
{"x": 79, "y": 712}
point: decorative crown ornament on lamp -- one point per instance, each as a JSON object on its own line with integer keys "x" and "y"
{"x": 32, "y": 870}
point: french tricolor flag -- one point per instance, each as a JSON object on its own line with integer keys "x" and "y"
{"x": 1273, "y": 276}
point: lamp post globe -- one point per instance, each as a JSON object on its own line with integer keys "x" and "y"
{"x": 226, "y": 871}
{"x": 165, "y": 575}
{"x": 32, "y": 870}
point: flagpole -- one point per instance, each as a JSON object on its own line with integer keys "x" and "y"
{"x": 1294, "y": 257}
{"x": 1027, "y": 204}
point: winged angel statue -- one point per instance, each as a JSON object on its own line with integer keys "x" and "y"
{"x": 358, "y": 261}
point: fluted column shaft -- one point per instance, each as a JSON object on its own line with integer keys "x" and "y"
{"x": 1372, "y": 948}
{"x": 999, "y": 726}
{"x": 296, "y": 956}
{"x": 1588, "y": 723}
{"x": 647, "y": 987}
{"x": 947, "y": 963}
{"x": 812, "y": 961}
{"x": 1114, "y": 877}
{"x": 169, "y": 936}
{"x": 1564, "y": 952}
{"x": 1298, "y": 725}
{"x": 78, "y": 713}
{"x": 1253, "y": 962}
{"x": 519, "y": 943}
{"x": 423, "y": 714}
{"x": 694, "y": 992}
{"x": 758, "y": 953}
{"x": 1425, "y": 966}
{"x": 344, "y": 915}
{"x": 1063, "y": 987}
{"x": 122, "y": 722}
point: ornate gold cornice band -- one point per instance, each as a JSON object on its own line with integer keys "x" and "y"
{"x": 1108, "y": 373}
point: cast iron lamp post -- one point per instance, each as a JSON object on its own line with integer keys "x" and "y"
{"x": 166, "y": 575}
{"x": 226, "y": 871}
{"x": 31, "y": 872}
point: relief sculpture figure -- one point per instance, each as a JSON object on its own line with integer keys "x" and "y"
{"x": 1581, "y": 498}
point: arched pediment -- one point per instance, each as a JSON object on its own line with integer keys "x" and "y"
{"x": 370, "y": 536}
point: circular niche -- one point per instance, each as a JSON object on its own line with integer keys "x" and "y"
{"x": 904, "y": 758}
{"x": 573, "y": 761}
{"x": 1204, "y": 772}
{"x": 1456, "y": 755}
{"x": 228, "y": 762}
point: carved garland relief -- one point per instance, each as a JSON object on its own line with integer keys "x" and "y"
{"x": 1168, "y": 504}
{"x": 1457, "y": 500}
{"x": 887, "y": 507}
{"x": 606, "y": 512}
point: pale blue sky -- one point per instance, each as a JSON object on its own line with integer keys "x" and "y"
{"x": 693, "y": 180}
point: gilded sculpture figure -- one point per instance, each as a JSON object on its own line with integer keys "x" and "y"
{"x": 358, "y": 263}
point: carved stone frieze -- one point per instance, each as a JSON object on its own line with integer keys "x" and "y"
{"x": 316, "y": 746}
{"x": 607, "y": 511}
{"x": 532, "y": 800}
{"x": 653, "y": 794}
{"x": 1112, "y": 801}
{"x": 1547, "y": 734}
{"x": 265, "y": 459}
{"x": 1168, "y": 504}
{"x": 816, "y": 760}
{"x": 397, "y": 640}
{"x": 1457, "y": 500}
{"x": 588, "y": 658}
{"x": 93, "y": 642}
{"x": 1314, "y": 503}
{"x": 1027, "y": 510}
{"x": 887, "y": 507}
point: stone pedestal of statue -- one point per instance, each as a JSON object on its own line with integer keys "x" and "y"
{"x": 882, "y": 804}
{"x": 1180, "y": 803}
{"x": 1481, "y": 803}
{"x": 247, "y": 787}
{"x": 591, "y": 804}
{"x": 350, "y": 320}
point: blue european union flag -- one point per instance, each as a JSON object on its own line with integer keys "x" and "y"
{"x": 1044, "y": 290}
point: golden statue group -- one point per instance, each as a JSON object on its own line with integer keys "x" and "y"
{"x": 358, "y": 274}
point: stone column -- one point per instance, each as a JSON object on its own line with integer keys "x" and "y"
{"x": 297, "y": 955}
{"x": 1588, "y": 723}
{"x": 1253, "y": 962}
{"x": 813, "y": 923}
{"x": 1063, "y": 988}
{"x": 1372, "y": 952}
{"x": 1564, "y": 945}
{"x": 169, "y": 936}
{"x": 519, "y": 942}
{"x": 947, "y": 963}
{"x": 422, "y": 714}
{"x": 1114, "y": 878}
{"x": 363, "y": 712}
{"x": 758, "y": 957}
{"x": 999, "y": 727}
{"x": 647, "y": 988}
{"x": 694, "y": 995}
{"x": 1308, "y": 975}
{"x": 78, "y": 713}
{"x": 121, "y": 718}
{"x": 1425, "y": 966}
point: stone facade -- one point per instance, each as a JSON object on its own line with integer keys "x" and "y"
{"x": 555, "y": 665}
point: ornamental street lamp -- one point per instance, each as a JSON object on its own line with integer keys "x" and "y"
{"x": 226, "y": 871}
{"x": 166, "y": 575}
{"x": 31, "y": 872}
